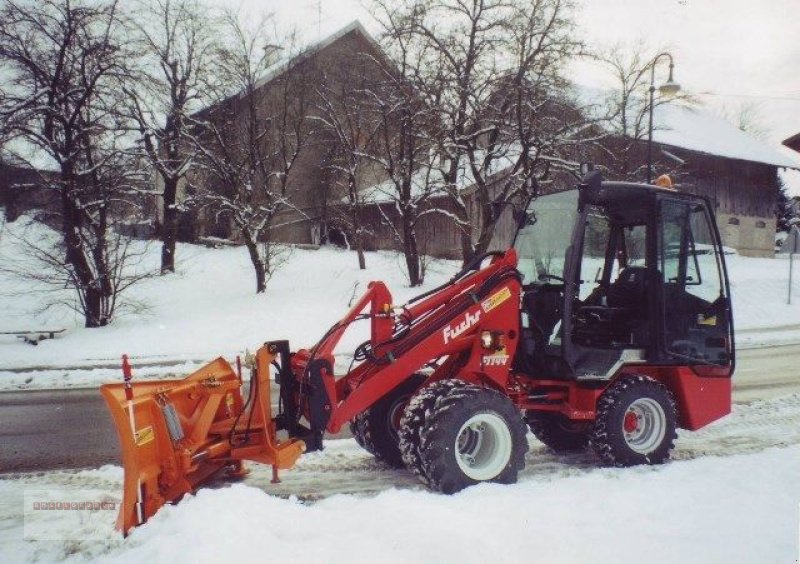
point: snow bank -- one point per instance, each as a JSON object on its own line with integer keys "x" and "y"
{"x": 736, "y": 509}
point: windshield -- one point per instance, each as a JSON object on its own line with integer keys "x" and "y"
{"x": 542, "y": 243}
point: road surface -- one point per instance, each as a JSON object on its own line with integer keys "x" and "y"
{"x": 44, "y": 430}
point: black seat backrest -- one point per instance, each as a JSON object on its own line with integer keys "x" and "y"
{"x": 629, "y": 290}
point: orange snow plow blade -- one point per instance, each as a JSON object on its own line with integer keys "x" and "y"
{"x": 177, "y": 435}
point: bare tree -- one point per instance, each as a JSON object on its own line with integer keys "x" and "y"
{"x": 403, "y": 151}
{"x": 251, "y": 136}
{"x": 491, "y": 69}
{"x": 748, "y": 117}
{"x": 345, "y": 114}
{"x": 175, "y": 40}
{"x": 64, "y": 64}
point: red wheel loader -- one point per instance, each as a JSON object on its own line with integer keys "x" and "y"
{"x": 607, "y": 326}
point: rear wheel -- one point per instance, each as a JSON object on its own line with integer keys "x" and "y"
{"x": 472, "y": 435}
{"x": 376, "y": 429}
{"x": 636, "y": 421}
{"x": 557, "y": 432}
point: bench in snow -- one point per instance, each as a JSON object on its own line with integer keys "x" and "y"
{"x": 34, "y": 337}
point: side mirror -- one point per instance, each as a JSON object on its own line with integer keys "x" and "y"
{"x": 590, "y": 187}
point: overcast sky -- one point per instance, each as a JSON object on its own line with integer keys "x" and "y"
{"x": 728, "y": 51}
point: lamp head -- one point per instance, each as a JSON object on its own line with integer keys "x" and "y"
{"x": 670, "y": 87}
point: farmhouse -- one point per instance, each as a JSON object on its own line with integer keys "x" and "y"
{"x": 310, "y": 184}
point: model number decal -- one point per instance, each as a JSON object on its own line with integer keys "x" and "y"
{"x": 495, "y": 360}
{"x": 496, "y": 299}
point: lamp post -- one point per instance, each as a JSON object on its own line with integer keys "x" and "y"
{"x": 669, "y": 89}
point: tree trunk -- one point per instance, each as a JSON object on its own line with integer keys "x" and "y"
{"x": 72, "y": 223}
{"x": 362, "y": 262}
{"x": 258, "y": 262}
{"x": 169, "y": 228}
{"x": 411, "y": 252}
{"x": 465, "y": 229}
{"x": 467, "y": 249}
{"x": 486, "y": 231}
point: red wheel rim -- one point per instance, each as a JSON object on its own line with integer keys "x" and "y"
{"x": 631, "y": 422}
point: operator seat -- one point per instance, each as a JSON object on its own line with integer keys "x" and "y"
{"x": 629, "y": 290}
{"x": 618, "y": 321}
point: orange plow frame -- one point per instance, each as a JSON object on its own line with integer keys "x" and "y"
{"x": 176, "y": 435}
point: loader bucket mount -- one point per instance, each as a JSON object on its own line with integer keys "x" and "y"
{"x": 176, "y": 435}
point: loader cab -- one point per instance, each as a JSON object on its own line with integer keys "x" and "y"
{"x": 617, "y": 274}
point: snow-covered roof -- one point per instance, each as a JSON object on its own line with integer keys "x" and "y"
{"x": 291, "y": 60}
{"x": 697, "y": 129}
{"x": 423, "y": 182}
{"x": 693, "y": 127}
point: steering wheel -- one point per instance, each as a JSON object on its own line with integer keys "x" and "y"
{"x": 547, "y": 276}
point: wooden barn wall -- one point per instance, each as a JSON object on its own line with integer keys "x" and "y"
{"x": 736, "y": 187}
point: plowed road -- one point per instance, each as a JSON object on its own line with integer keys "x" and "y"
{"x": 44, "y": 430}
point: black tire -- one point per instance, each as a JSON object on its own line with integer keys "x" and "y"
{"x": 357, "y": 428}
{"x": 557, "y": 432}
{"x": 472, "y": 435}
{"x": 636, "y": 422}
{"x": 414, "y": 420}
{"x": 376, "y": 430}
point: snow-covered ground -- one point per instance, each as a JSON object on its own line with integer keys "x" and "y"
{"x": 730, "y": 495}
{"x": 209, "y": 308}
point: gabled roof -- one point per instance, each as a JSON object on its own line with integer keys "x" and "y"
{"x": 289, "y": 62}
{"x": 697, "y": 129}
{"x": 694, "y": 128}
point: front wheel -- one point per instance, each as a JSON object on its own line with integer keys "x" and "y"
{"x": 635, "y": 424}
{"x": 472, "y": 435}
{"x": 376, "y": 429}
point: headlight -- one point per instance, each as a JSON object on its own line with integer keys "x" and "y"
{"x": 492, "y": 340}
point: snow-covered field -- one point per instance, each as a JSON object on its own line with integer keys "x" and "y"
{"x": 730, "y": 495}
{"x": 209, "y": 308}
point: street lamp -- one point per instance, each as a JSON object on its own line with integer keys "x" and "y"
{"x": 668, "y": 89}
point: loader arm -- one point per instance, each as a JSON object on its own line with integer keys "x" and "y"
{"x": 406, "y": 339}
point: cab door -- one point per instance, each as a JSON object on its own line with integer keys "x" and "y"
{"x": 697, "y": 322}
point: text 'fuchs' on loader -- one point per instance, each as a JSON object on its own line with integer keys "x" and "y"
{"x": 607, "y": 325}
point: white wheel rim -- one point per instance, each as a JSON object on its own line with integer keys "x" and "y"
{"x": 483, "y": 446}
{"x": 644, "y": 425}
